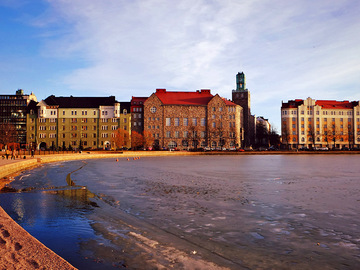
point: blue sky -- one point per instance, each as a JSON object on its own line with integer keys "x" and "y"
{"x": 287, "y": 49}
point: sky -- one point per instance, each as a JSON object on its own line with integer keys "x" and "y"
{"x": 287, "y": 49}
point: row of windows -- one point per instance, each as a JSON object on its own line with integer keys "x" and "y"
{"x": 137, "y": 109}
{"x": 188, "y": 134}
{"x": 325, "y": 119}
{"x": 203, "y": 144}
{"x": 319, "y": 140}
{"x": 75, "y": 120}
{"x": 72, "y": 135}
{"x": 324, "y": 112}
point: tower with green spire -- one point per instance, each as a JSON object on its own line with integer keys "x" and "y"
{"x": 241, "y": 96}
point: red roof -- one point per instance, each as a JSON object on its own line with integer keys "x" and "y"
{"x": 333, "y": 104}
{"x": 228, "y": 102}
{"x": 184, "y": 98}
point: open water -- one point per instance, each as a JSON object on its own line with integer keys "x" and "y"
{"x": 204, "y": 212}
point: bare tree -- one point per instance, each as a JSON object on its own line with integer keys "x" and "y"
{"x": 194, "y": 136}
{"x": 121, "y": 138}
{"x": 8, "y": 133}
{"x": 285, "y": 135}
{"x": 148, "y": 139}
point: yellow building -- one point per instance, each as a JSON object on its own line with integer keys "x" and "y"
{"x": 75, "y": 122}
{"x": 320, "y": 123}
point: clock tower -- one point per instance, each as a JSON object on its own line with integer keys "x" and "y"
{"x": 241, "y": 96}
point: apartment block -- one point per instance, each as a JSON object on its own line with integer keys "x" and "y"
{"x": 320, "y": 123}
{"x": 74, "y": 122}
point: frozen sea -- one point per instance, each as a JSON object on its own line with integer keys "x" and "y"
{"x": 195, "y": 212}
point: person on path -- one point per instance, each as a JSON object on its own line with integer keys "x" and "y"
{"x": 32, "y": 152}
{"x": 7, "y": 153}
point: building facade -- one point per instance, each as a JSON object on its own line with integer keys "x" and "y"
{"x": 137, "y": 114}
{"x": 241, "y": 96}
{"x": 263, "y": 129}
{"x": 74, "y": 122}
{"x": 13, "y": 110}
{"x": 320, "y": 123}
{"x": 186, "y": 120}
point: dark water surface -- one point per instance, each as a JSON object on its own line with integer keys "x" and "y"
{"x": 237, "y": 212}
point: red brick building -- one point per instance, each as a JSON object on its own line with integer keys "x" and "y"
{"x": 186, "y": 120}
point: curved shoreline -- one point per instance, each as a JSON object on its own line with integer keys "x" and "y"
{"x": 19, "y": 250}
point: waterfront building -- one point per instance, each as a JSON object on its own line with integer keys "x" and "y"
{"x": 263, "y": 129}
{"x": 320, "y": 123}
{"x": 125, "y": 120}
{"x": 241, "y": 96}
{"x": 185, "y": 120}
{"x": 13, "y": 109}
{"x": 137, "y": 114}
{"x": 74, "y": 122}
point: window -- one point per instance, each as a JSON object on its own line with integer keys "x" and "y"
{"x": 172, "y": 145}
{"x": 113, "y": 127}
{"x": 167, "y": 134}
{"x": 220, "y": 109}
{"x": 213, "y": 124}
{"x": 186, "y": 134}
{"x": 167, "y": 121}
{"x": 104, "y": 127}
{"x": 176, "y": 121}
{"x": 194, "y": 121}
{"x": 176, "y": 134}
{"x": 202, "y": 134}
{"x": 186, "y": 122}
{"x": 203, "y": 122}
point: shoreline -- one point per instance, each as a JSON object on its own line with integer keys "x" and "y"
{"x": 19, "y": 250}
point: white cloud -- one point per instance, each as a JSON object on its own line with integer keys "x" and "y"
{"x": 287, "y": 49}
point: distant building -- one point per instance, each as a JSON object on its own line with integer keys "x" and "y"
{"x": 263, "y": 127}
{"x": 241, "y": 96}
{"x": 74, "y": 122}
{"x": 13, "y": 109}
{"x": 186, "y": 120}
{"x": 320, "y": 123}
